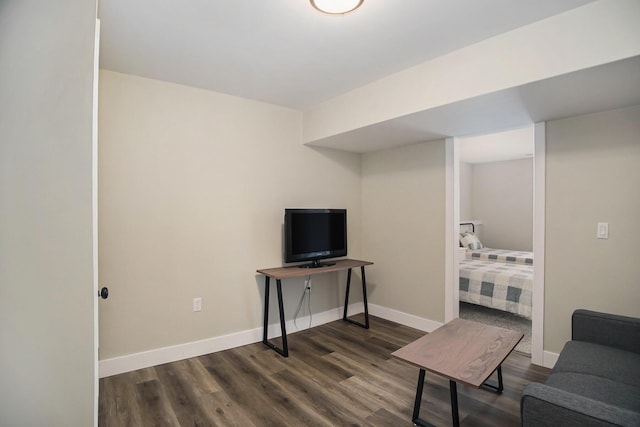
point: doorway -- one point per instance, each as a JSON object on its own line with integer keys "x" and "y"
{"x": 453, "y": 255}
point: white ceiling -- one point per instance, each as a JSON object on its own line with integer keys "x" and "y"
{"x": 507, "y": 145}
{"x": 286, "y": 53}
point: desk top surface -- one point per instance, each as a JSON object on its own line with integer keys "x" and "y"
{"x": 461, "y": 350}
{"x": 295, "y": 271}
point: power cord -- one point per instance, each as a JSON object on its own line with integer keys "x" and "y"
{"x": 306, "y": 293}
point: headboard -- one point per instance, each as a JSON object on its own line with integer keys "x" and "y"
{"x": 473, "y": 226}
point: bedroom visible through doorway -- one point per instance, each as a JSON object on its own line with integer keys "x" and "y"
{"x": 496, "y": 193}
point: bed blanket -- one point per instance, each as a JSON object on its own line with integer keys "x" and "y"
{"x": 502, "y": 286}
{"x": 501, "y": 255}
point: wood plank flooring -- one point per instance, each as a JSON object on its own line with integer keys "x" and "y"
{"x": 337, "y": 374}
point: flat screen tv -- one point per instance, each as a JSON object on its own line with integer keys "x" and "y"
{"x": 314, "y": 234}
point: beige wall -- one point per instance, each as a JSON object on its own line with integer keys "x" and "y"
{"x": 193, "y": 187}
{"x": 167, "y": 234}
{"x": 466, "y": 192}
{"x": 592, "y": 176}
{"x": 404, "y": 228}
{"x": 503, "y": 201}
{"x": 47, "y": 352}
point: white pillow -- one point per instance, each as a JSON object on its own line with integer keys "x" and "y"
{"x": 470, "y": 241}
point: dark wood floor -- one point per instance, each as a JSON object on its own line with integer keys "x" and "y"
{"x": 337, "y": 374}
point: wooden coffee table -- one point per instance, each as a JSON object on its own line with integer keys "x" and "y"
{"x": 463, "y": 351}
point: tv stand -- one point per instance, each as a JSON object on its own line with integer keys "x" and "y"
{"x": 316, "y": 264}
{"x": 281, "y": 273}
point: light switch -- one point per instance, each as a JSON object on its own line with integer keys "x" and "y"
{"x": 603, "y": 230}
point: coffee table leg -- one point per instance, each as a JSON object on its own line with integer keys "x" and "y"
{"x": 416, "y": 405}
{"x": 497, "y": 388}
{"x": 453, "y": 389}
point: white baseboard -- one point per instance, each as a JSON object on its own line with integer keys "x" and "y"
{"x": 145, "y": 359}
{"x": 158, "y": 356}
{"x": 405, "y": 319}
{"x": 549, "y": 359}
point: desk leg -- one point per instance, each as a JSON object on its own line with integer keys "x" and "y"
{"x": 346, "y": 296}
{"x": 453, "y": 389}
{"x": 266, "y": 309}
{"x": 364, "y": 300}
{"x": 284, "y": 351}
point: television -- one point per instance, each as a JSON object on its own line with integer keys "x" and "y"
{"x": 314, "y": 235}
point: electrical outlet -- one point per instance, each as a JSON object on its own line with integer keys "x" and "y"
{"x": 197, "y": 304}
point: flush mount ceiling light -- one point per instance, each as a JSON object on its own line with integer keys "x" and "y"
{"x": 336, "y": 7}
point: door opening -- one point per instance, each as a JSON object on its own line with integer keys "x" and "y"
{"x": 530, "y": 237}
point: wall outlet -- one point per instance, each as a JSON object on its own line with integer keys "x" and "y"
{"x": 197, "y": 304}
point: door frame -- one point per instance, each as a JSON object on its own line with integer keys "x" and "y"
{"x": 94, "y": 209}
{"x": 452, "y": 226}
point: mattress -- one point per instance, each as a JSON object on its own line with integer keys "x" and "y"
{"x": 501, "y": 255}
{"x": 502, "y": 286}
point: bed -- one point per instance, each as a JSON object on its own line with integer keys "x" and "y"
{"x": 501, "y": 255}
{"x": 498, "y": 285}
{"x": 476, "y": 250}
{"x": 495, "y": 278}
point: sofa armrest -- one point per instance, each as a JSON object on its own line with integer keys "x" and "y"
{"x": 542, "y": 405}
{"x": 606, "y": 329}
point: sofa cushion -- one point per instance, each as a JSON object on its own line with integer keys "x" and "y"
{"x": 606, "y": 329}
{"x": 597, "y": 388}
{"x": 600, "y": 361}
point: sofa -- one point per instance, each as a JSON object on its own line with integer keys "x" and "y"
{"x": 596, "y": 380}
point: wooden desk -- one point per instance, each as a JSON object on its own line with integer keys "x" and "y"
{"x": 281, "y": 273}
{"x": 463, "y": 351}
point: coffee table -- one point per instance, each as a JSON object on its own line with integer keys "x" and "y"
{"x": 464, "y": 352}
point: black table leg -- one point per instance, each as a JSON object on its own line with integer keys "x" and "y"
{"x": 266, "y": 309}
{"x": 364, "y": 299}
{"x": 416, "y": 405}
{"x": 284, "y": 351}
{"x": 453, "y": 389}
{"x": 493, "y": 387}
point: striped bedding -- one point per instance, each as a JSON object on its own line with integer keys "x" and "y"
{"x": 501, "y": 255}
{"x": 501, "y": 286}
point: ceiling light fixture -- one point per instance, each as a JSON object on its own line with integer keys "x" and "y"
{"x": 336, "y": 7}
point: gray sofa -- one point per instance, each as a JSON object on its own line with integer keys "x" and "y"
{"x": 596, "y": 380}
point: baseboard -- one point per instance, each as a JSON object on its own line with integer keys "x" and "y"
{"x": 549, "y": 359}
{"x": 145, "y": 359}
{"x": 158, "y": 356}
{"x": 405, "y": 319}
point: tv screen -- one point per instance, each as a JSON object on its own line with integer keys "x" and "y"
{"x": 314, "y": 234}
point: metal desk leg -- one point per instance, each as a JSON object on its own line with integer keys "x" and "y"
{"x": 364, "y": 299}
{"x": 284, "y": 351}
{"x": 266, "y": 309}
